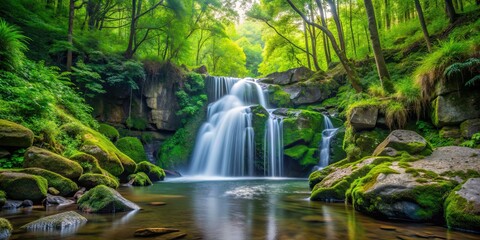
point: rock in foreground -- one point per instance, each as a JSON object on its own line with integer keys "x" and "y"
{"x": 102, "y": 199}
{"x": 5, "y": 228}
{"x": 462, "y": 207}
{"x": 21, "y": 186}
{"x": 41, "y": 158}
{"x": 60, "y": 222}
{"x": 15, "y": 135}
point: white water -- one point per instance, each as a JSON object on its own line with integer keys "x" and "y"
{"x": 225, "y": 143}
{"x": 327, "y": 134}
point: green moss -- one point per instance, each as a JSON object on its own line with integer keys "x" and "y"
{"x": 259, "y": 121}
{"x": 41, "y": 158}
{"x": 5, "y": 228}
{"x": 15, "y": 135}
{"x": 367, "y": 141}
{"x": 137, "y": 123}
{"x": 460, "y": 213}
{"x": 300, "y": 127}
{"x": 109, "y": 132}
{"x": 139, "y": 179}
{"x": 155, "y": 173}
{"x": 464, "y": 175}
{"x": 21, "y": 186}
{"x": 64, "y": 185}
{"x": 133, "y": 148}
{"x": 103, "y": 199}
{"x": 278, "y": 97}
{"x": 318, "y": 176}
{"x": 90, "y": 180}
{"x": 310, "y": 158}
{"x": 430, "y": 198}
{"x": 296, "y": 152}
{"x": 88, "y": 162}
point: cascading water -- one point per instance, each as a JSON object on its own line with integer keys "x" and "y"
{"x": 327, "y": 134}
{"x": 225, "y": 143}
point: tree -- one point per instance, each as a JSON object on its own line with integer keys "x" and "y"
{"x": 423, "y": 24}
{"x": 351, "y": 72}
{"x": 450, "y": 11}
{"x": 71, "y": 14}
{"x": 338, "y": 24}
{"x": 377, "y": 48}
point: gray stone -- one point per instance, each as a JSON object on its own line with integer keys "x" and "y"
{"x": 462, "y": 207}
{"x": 389, "y": 152}
{"x": 61, "y": 222}
{"x": 363, "y": 118}
{"x": 5, "y": 229}
{"x": 402, "y": 140}
{"x": 450, "y": 132}
{"x": 102, "y": 199}
{"x": 470, "y": 127}
{"x": 291, "y": 76}
{"x": 152, "y": 103}
{"x": 454, "y": 108}
{"x": 57, "y": 200}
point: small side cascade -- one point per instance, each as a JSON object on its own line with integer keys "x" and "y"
{"x": 273, "y": 144}
{"x": 327, "y": 134}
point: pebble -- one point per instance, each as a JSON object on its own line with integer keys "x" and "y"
{"x": 150, "y": 232}
{"x": 157, "y": 203}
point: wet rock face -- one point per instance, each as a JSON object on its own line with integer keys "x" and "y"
{"x": 15, "y": 135}
{"x": 60, "y": 222}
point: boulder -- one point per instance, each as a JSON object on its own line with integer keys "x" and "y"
{"x": 102, "y": 199}
{"x": 61, "y": 222}
{"x": 365, "y": 142}
{"x": 133, "y": 148}
{"x": 91, "y": 180}
{"x": 291, "y": 76}
{"x": 40, "y": 158}
{"x": 5, "y": 228}
{"x": 57, "y": 200}
{"x": 12, "y": 204}
{"x": 15, "y": 135}
{"x": 454, "y": 108}
{"x": 462, "y": 207}
{"x": 139, "y": 179}
{"x": 259, "y": 121}
{"x": 403, "y": 140}
{"x": 88, "y": 162}
{"x": 470, "y": 127}
{"x": 278, "y": 98}
{"x": 154, "y": 172}
{"x": 450, "y": 132}
{"x": 53, "y": 191}
{"x": 64, "y": 185}
{"x": 363, "y": 117}
{"x": 301, "y": 126}
{"x": 109, "y": 132}
{"x": 21, "y": 186}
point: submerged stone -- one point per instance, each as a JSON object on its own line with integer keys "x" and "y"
{"x": 151, "y": 232}
{"x": 5, "y": 228}
{"x": 102, "y": 199}
{"x": 60, "y": 222}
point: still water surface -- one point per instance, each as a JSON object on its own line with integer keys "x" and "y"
{"x": 234, "y": 209}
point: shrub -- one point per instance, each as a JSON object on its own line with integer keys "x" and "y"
{"x": 109, "y": 132}
{"x": 12, "y": 47}
{"x": 132, "y": 147}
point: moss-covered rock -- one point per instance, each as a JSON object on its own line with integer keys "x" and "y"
{"x": 40, "y": 158}
{"x": 64, "y": 185}
{"x": 154, "y": 172}
{"x": 278, "y": 98}
{"x": 99, "y": 146}
{"x": 15, "y": 135}
{"x": 88, "y": 162}
{"x": 362, "y": 144}
{"x": 5, "y": 228}
{"x": 21, "y": 186}
{"x": 462, "y": 207}
{"x": 60, "y": 222}
{"x": 139, "y": 179}
{"x": 403, "y": 140}
{"x": 109, "y": 132}
{"x": 91, "y": 180}
{"x": 300, "y": 127}
{"x": 103, "y": 199}
{"x": 3, "y": 198}
{"x": 259, "y": 121}
{"x": 296, "y": 152}
{"x": 133, "y": 148}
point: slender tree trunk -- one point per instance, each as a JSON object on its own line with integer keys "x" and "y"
{"x": 71, "y": 15}
{"x": 423, "y": 24}
{"x": 351, "y": 72}
{"x": 336, "y": 18}
{"x": 326, "y": 47}
{"x": 460, "y": 2}
{"x": 377, "y": 48}
{"x": 387, "y": 14}
{"x": 450, "y": 11}
{"x": 306, "y": 44}
{"x": 131, "y": 36}
{"x": 351, "y": 30}
{"x": 368, "y": 39}
{"x": 313, "y": 39}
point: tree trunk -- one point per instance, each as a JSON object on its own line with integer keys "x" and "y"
{"x": 368, "y": 39}
{"x": 377, "y": 48}
{"x": 129, "y": 52}
{"x": 423, "y": 24}
{"x": 351, "y": 30}
{"x": 387, "y": 14}
{"x": 338, "y": 24}
{"x": 351, "y": 72}
{"x": 450, "y": 11}
{"x": 71, "y": 15}
{"x": 306, "y": 44}
{"x": 326, "y": 48}
{"x": 313, "y": 40}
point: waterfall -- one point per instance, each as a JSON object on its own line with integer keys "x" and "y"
{"x": 225, "y": 143}
{"x": 327, "y": 134}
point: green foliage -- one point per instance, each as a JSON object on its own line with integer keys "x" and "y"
{"x": 132, "y": 147}
{"x": 13, "y": 161}
{"x": 138, "y": 123}
{"x": 89, "y": 80}
{"x": 12, "y": 47}
{"x": 109, "y": 132}
{"x": 473, "y": 142}
{"x": 191, "y": 97}
{"x": 431, "y": 134}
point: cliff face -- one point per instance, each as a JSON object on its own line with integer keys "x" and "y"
{"x": 151, "y": 107}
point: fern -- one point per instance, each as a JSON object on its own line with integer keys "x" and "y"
{"x": 471, "y": 66}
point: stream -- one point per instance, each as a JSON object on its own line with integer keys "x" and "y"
{"x": 233, "y": 208}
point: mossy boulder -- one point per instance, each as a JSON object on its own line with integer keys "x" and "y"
{"x": 99, "y": 146}
{"x": 470, "y": 127}
{"x": 133, "y": 148}
{"x": 139, "y": 179}
{"x": 58, "y": 222}
{"x": 91, "y": 180}
{"x": 88, "y": 162}
{"x": 259, "y": 121}
{"x": 21, "y": 186}
{"x": 278, "y": 98}
{"x": 363, "y": 143}
{"x": 455, "y": 107}
{"x": 462, "y": 207}
{"x": 307, "y": 157}
{"x": 154, "y": 172}
{"x": 40, "y": 158}
{"x": 363, "y": 117}
{"x": 300, "y": 127}
{"x": 337, "y": 152}
{"x": 64, "y": 185}
{"x": 102, "y": 199}
{"x": 5, "y": 228}
{"x": 404, "y": 140}
{"x": 15, "y": 135}
{"x": 109, "y": 132}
